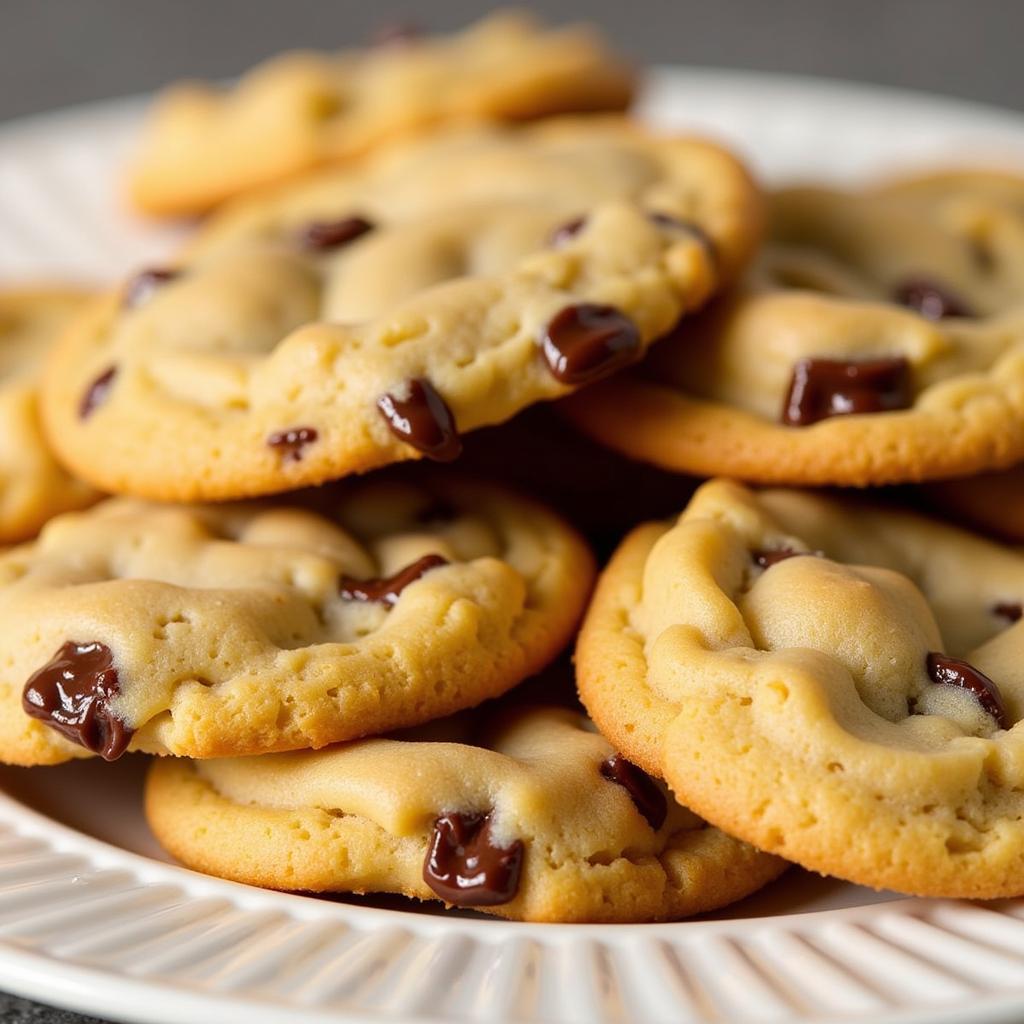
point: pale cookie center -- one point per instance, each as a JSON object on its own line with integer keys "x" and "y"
{"x": 873, "y": 621}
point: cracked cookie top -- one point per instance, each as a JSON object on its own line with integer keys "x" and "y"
{"x": 879, "y": 340}
{"x": 804, "y": 670}
{"x": 374, "y": 315}
{"x": 205, "y": 144}
{"x": 528, "y": 814}
{"x": 242, "y": 629}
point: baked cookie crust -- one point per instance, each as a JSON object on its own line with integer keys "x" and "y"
{"x": 377, "y": 314}
{"x": 825, "y": 679}
{"x": 880, "y": 340}
{"x": 243, "y": 629}
{"x": 204, "y": 145}
{"x": 34, "y": 486}
{"x": 365, "y": 817}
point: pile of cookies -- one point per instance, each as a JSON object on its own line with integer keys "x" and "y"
{"x": 451, "y": 330}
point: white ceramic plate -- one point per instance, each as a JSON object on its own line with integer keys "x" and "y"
{"x": 94, "y": 917}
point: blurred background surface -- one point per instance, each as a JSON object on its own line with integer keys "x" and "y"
{"x": 58, "y": 52}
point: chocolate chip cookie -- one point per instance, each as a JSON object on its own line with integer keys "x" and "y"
{"x": 531, "y": 816}
{"x": 205, "y": 144}
{"x": 835, "y": 682}
{"x": 881, "y": 340}
{"x": 243, "y": 629}
{"x": 33, "y": 485}
{"x": 375, "y": 315}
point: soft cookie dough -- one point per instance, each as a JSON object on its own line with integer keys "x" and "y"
{"x": 243, "y": 629}
{"x": 204, "y": 145}
{"x": 33, "y": 485}
{"x": 837, "y": 683}
{"x": 879, "y": 340}
{"x": 374, "y": 314}
{"x": 553, "y": 824}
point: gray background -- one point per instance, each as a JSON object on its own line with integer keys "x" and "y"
{"x": 58, "y": 52}
{"x": 54, "y": 52}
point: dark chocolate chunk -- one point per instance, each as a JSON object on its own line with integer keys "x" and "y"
{"x": 689, "y": 227}
{"x": 570, "y": 229}
{"x": 587, "y": 342}
{"x": 423, "y": 420}
{"x": 144, "y": 285}
{"x": 290, "y": 442}
{"x": 766, "y": 559}
{"x": 931, "y": 299}
{"x": 642, "y": 790}
{"x": 465, "y": 867}
{"x": 948, "y": 671}
{"x": 821, "y": 388}
{"x": 96, "y": 393}
{"x": 1009, "y": 610}
{"x": 324, "y": 235}
{"x": 388, "y": 589}
{"x": 72, "y": 692}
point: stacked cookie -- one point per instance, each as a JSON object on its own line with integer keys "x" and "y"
{"x": 316, "y": 597}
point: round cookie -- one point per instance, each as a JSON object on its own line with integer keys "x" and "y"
{"x": 880, "y": 340}
{"x": 532, "y": 817}
{"x": 205, "y": 144}
{"x": 33, "y": 485}
{"x": 834, "y": 682}
{"x": 243, "y": 629}
{"x": 373, "y": 315}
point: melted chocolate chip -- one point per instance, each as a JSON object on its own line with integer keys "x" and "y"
{"x": 423, "y": 420}
{"x": 388, "y": 589}
{"x": 144, "y": 285}
{"x": 291, "y": 442}
{"x": 570, "y": 229}
{"x": 821, "y": 388}
{"x": 72, "y": 692}
{"x": 325, "y": 235}
{"x": 689, "y": 227}
{"x": 1009, "y": 610}
{"x": 587, "y": 342}
{"x": 766, "y": 559}
{"x": 464, "y": 866}
{"x": 96, "y": 393}
{"x": 932, "y": 300}
{"x": 948, "y": 671}
{"x": 642, "y": 790}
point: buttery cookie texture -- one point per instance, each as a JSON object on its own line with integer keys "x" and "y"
{"x": 880, "y": 340}
{"x": 532, "y": 816}
{"x": 834, "y": 682}
{"x": 373, "y": 315}
{"x": 241, "y": 629}
{"x": 33, "y": 485}
{"x": 205, "y": 144}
